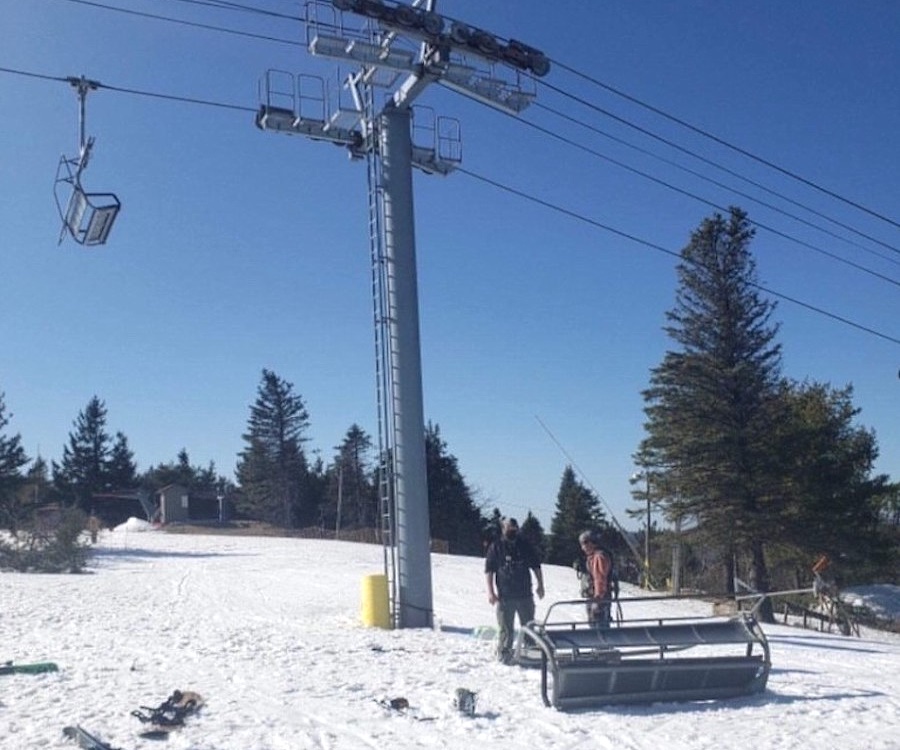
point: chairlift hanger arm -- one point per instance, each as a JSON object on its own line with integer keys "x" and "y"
{"x": 82, "y": 85}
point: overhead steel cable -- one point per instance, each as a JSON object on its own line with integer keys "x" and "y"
{"x": 195, "y": 24}
{"x": 171, "y": 97}
{"x": 723, "y": 142}
{"x": 59, "y": 79}
{"x": 717, "y": 183}
{"x": 136, "y": 92}
{"x": 223, "y": 4}
{"x": 652, "y": 245}
{"x": 724, "y": 209}
{"x": 513, "y": 191}
{"x": 710, "y": 162}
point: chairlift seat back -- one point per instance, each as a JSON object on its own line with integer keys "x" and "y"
{"x": 90, "y": 216}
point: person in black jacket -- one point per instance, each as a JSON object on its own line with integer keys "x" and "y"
{"x": 507, "y": 567}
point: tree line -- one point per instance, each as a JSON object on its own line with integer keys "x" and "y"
{"x": 758, "y": 474}
{"x": 275, "y": 479}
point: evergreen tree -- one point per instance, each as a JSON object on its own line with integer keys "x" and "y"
{"x": 532, "y": 530}
{"x": 84, "y": 468}
{"x": 13, "y": 506}
{"x": 121, "y": 471}
{"x": 577, "y": 510}
{"x": 34, "y": 492}
{"x": 351, "y": 501}
{"x": 37, "y": 481}
{"x": 454, "y": 516}
{"x": 711, "y": 403}
{"x": 196, "y": 479}
{"x": 183, "y": 469}
{"x": 272, "y": 469}
{"x": 317, "y": 491}
{"x": 832, "y": 501}
{"x": 493, "y": 528}
{"x": 889, "y": 507}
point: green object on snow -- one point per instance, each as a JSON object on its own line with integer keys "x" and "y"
{"x": 36, "y": 668}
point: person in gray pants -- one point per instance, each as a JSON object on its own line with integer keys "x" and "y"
{"x": 507, "y": 567}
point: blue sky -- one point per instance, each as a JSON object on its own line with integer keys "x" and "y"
{"x": 238, "y": 249}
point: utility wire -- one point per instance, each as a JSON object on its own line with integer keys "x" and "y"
{"x": 494, "y": 183}
{"x": 723, "y": 142}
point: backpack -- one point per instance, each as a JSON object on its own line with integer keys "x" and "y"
{"x": 513, "y": 571}
{"x": 586, "y": 581}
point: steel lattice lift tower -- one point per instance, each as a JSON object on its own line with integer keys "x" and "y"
{"x": 374, "y": 36}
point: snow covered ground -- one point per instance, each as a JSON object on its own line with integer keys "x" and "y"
{"x": 268, "y": 631}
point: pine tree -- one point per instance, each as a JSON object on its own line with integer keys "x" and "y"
{"x": 196, "y": 479}
{"x": 453, "y": 514}
{"x": 12, "y": 458}
{"x": 532, "y": 530}
{"x": 493, "y": 528}
{"x": 84, "y": 467}
{"x": 272, "y": 469}
{"x": 832, "y": 501}
{"x": 316, "y": 492}
{"x": 577, "y": 510}
{"x": 351, "y": 498}
{"x": 711, "y": 403}
{"x": 37, "y": 481}
{"x": 121, "y": 470}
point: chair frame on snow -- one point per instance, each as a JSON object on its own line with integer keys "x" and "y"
{"x": 645, "y": 660}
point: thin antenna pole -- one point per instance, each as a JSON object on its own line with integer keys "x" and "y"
{"x": 625, "y": 535}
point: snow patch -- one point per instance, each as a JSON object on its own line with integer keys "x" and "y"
{"x": 135, "y": 524}
{"x": 882, "y": 599}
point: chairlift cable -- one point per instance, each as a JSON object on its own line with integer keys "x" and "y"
{"x": 727, "y": 144}
{"x": 224, "y": 5}
{"x": 514, "y": 191}
{"x": 195, "y": 24}
{"x": 694, "y": 196}
{"x": 237, "y": 6}
{"x": 754, "y": 183}
{"x": 660, "y": 248}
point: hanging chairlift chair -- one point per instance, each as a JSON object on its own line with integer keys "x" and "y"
{"x": 87, "y": 217}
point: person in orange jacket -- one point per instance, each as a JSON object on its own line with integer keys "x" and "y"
{"x": 599, "y": 569}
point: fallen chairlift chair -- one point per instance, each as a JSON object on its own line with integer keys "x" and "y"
{"x": 88, "y": 217}
{"x": 645, "y": 660}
